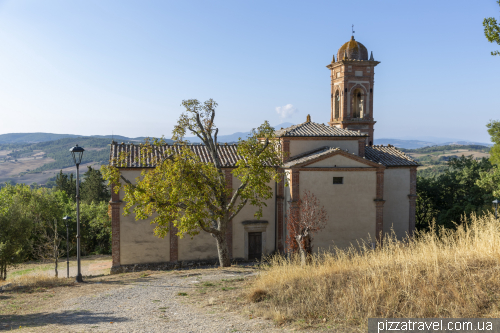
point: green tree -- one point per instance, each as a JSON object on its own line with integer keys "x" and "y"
{"x": 494, "y": 132}
{"x": 192, "y": 195}
{"x": 66, "y": 184}
{"x": 453, "y": 194}
{"x": 490, "y": 180}
{"x": 46, "y": 209}
{"x": 15, "y": 226}
{"x": 94, "y": 188}
{"x": 492, "y": 31}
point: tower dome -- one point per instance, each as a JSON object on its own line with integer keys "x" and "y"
{"x": 352, "y": 50}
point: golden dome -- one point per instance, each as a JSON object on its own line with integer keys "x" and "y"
{"x": 352, "y": 50}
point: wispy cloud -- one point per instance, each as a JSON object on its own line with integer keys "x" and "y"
{"x": 286, "y": 111}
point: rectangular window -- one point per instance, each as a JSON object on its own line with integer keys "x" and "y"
{"x": 338, "y": 180}
{"x": 358, "y": 73}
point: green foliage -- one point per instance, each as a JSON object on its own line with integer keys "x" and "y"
{"x": 449, "y": 196}
{"x": 15, "y": 226}
{"x": 494, "y": 132}
{"x": 93, "y": 188}
{"x": 31, "y": 225}
{"x": 492, "y": 31}
{"x": 191, "y": 195}
{"x": 66, "y": 184}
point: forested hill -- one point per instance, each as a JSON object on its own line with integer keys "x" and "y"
{"x": 97, "y": 150}
{"x": 43, "y": 137}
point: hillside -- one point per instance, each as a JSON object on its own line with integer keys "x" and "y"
{"x": 434, "y": 159}
{"x": 43, "y": 137}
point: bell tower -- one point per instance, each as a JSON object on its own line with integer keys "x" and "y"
{"x": 352, "y": 78}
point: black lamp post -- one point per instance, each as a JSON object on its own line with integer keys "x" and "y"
{"x": 77, "y": 153}
{"x": 66, "y": 220}
{"x": 495, "y": 202}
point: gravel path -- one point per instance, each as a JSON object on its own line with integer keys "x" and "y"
{"x": 149, "y": 305}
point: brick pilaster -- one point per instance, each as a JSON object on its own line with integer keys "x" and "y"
{"x": 379, "y": 206}
{"x": 413, "y": 198}
{"x": 286, "y": 149}
{"x": 229, "y": 230}
{"x": 115, "y": 205}
{"x": 280, "y": 201}
{"x": 174, "y": 243}
{"x": 294, "y": 185}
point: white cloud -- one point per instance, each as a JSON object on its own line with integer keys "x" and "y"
{"x": 286, "y": 111}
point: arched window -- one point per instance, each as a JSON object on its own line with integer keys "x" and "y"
{"x": 357, "y": 105}
{"x": 337, "y": 105}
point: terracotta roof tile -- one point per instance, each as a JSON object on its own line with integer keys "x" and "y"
{"x": 228, "y": 154}
{"x": 310, "y": 128}
{"x": 388, "y": 156}
{"x": 308, "y": 156}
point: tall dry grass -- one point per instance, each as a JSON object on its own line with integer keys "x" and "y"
{"x": 437, "y": 274}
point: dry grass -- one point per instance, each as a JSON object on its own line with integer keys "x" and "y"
{"x": 35, "y": 282}
{"x": 444, "y": 274}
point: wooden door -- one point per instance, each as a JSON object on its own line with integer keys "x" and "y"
{"x": 254, "y": 245}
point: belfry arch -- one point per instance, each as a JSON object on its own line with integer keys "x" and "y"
{"x": 337, "y": 105}
{"x": 358, "y": 101}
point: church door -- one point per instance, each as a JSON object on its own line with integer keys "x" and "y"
{"x": 254, "y": 245}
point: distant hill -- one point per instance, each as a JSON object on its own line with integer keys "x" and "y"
{"x": 414, "y": 144}
{"x": 44, "y": 137}
{"x": 235, "y": 136}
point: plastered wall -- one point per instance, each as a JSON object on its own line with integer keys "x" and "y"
{"x": 397, "y": 204}
{"x": 247, "y": 213}
{"x": 350, "y": 206}
{"x": 300, "y": 146}
{"x": 138, "y": 244}
{"x": 339, "y": 161}
{"x": 201, "y": 246}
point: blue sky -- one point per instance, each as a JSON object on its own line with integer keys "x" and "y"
{"x": 97, "y": 67}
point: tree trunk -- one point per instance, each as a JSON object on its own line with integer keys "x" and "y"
{"x": 302, "y": 251}
{"x": 223, "y": 250}
{"x": 3, "y": 274}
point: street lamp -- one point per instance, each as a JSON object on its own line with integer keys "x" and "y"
{"x": 77, "y": 153}
{"x": 495, "y": 202}
{"x": 66, "y": 220}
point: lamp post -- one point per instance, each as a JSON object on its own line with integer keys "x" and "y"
{"x": 66, "y": 220}
{"x": 77, "y": 153}
{"x": 495, "y": 202}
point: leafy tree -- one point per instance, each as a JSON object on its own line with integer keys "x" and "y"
{"x": 490, "y": 179}
{"x": 192, "y": 195}
{"x": 492, "y": 31}
{"x": 93, "y": 188}
{"x": 453, "y": 194}
{"x": 494, "y": 132}
{"x": 66, "y": 184}
{"x": 46, "y": 209}
{"x": 15, "y": 226}
{"x": 304, "y": 217}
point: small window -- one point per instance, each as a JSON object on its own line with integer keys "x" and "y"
{"x": 338, "y": 180}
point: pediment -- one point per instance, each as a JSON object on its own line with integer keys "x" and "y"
{"x": 339, "y": 161}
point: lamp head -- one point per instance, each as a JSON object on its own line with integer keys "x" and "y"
{"x": 77, "y": 153}
{"x": 495, "y": 202}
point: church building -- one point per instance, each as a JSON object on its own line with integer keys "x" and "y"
{"x": 367, "y": 190}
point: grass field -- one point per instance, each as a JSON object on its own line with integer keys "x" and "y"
{"x": 446, "y": 274}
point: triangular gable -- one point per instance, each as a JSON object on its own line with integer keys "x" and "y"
{"x": 338, "y": 161}
{"x": 332, "y": 157}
